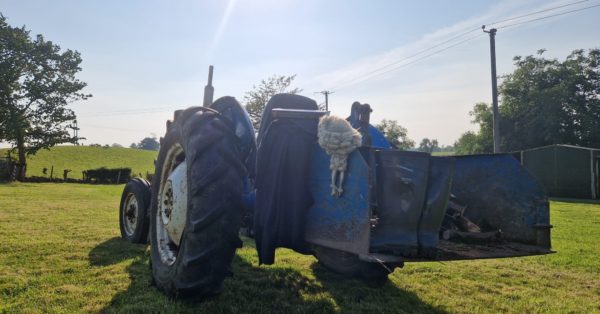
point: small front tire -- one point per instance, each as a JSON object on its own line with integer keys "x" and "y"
{"x": 133, "y": 211}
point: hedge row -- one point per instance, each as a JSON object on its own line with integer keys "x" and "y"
{"x": 105, "y": 175}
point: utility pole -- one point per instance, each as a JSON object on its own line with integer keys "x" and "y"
{"x": 75, "y": 129}
{"x": 76, "y": 133}
{"x": 209, "y": 90}
{"x": 496, "y": 115}
{"x": 326, "y": 93}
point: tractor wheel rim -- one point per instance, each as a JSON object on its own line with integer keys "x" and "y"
{"x": 167, "y": 248}
{"x": 130, "y": 213}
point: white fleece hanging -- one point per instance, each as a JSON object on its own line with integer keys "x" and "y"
{"x": 338, "y": 138}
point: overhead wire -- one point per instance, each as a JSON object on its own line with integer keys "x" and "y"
{"x": 548, "y": 16}
{"x": 364, "y": 78}
{"x": 471, "y": 30}
{"x": 398, "y": 64}
{"x": 536, "y": 12}
{"x": 382, "y": 70}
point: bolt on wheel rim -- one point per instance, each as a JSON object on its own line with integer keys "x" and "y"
{"x": 130, "y": 213}
{"x": 167, "y": 248}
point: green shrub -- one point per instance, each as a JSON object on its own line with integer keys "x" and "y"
{"x": 105, "y": 175}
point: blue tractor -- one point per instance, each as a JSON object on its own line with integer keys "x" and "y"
{"x": 322, "y": 185}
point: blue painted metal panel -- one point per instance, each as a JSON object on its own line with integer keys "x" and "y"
{"x": 500, "y": 194}
{"x": 341, "y": 223}
{"x": 378, "y": 140}
{"x": 441, "y": 171}
{"x": 401, "y": 185}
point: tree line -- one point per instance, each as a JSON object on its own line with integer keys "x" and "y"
{"x": 543, "y": 102}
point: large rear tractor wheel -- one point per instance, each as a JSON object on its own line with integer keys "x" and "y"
{"x": 196, "y": 206}
{"x": 133, "y": 211}
{"x": 350, "y": 265}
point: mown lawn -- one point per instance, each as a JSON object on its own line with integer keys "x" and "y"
{"x": 60, "y": 251}
{"x": 80, "y": 158}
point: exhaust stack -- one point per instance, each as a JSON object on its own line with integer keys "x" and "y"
{"x": 209, "y": 90}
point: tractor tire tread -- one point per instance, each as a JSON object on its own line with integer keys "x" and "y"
{"x": 210, "y": 237}
{"x": 141, "y": 190}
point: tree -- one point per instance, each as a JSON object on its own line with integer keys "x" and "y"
{"x": 477, "y": 142}
{"x": 544, "y": 102}
{"x": 148, "y": 143}
{"x": 396, "y": 134}
{"x": 257, "y": 98}
{"x": 428, "y": 145}
{"x": 467, "y": 143}
{"x": 37, "y": 82}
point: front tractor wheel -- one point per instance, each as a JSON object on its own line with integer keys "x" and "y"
{"x": 196, "y": 206}
{"x": 133, "y": 211}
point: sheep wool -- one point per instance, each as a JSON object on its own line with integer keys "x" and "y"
{"x": 338, "y": 138}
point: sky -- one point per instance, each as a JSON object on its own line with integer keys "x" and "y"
{"x": 144, "y": 59}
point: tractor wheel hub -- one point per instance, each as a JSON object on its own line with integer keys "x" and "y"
{"x": 173, "y": 203}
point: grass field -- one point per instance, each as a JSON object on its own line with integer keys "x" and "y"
{"x": 80, "y": 158}
{"x": 443, "y": 153}
{"x": 61, "y": 252}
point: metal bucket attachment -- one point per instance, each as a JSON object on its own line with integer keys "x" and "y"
{"x": 395, "y": 204}
{"x": 502, "y": 195}
{"x": 508, "y": 209}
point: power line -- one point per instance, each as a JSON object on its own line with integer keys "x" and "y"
{"x": 434, "y": 53}
{"x": 536, "y": 12}
{"x": 379, "y": 71}
{"x": 420, "y": 52}
{"x": 362, "y": 79}
{"x": 549, "y": 16}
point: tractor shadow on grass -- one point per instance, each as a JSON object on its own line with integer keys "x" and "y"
{"x": 353, "y": 295}
{"x": 113, "y": 251}
{"x": 253, "y": 288}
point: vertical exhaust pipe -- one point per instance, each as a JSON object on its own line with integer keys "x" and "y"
{"x": 209, "y": 90}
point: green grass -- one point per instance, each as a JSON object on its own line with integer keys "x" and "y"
{"x": 443, "y": 153}
{"x": 80, "y": 158}
{"x": 60, "y": 251}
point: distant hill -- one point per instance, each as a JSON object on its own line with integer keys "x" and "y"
{"x": 79, "y": 158}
